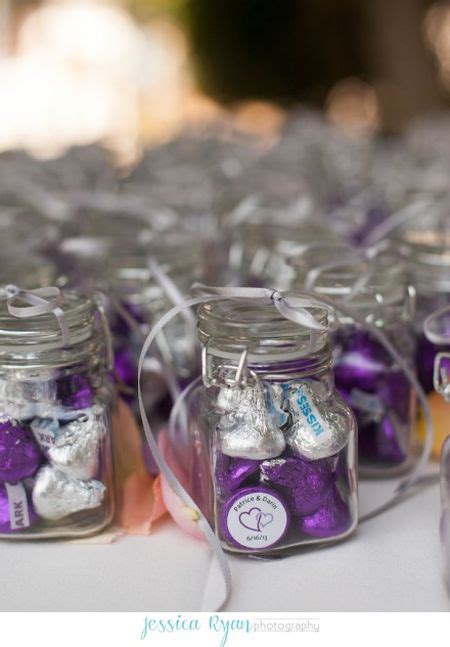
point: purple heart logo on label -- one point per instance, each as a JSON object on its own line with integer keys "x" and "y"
{"x": 251, "y": 519}
{"x": 264, "y": 520}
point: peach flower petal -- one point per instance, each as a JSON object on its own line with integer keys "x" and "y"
{"x": 140, "y": 502}
{"x": 185, "y": 517}
{"x": 140, "y": 508}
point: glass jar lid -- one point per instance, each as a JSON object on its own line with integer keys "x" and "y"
{"x": 230, "y": 326}
{"x": 37, "y": 341}
{"x": 373, "y": 284}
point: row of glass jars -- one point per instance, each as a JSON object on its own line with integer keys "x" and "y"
{"x": 367, "y": 378}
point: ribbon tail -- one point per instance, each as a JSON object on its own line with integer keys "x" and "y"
{"x": 176, "y": 486}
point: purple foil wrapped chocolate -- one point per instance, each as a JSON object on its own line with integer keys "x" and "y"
{"x": 20, "y": 455}
{"x": 304, "y": 484}
{"x": 75, "y": 392}
{"x": 230, "y": 473}
{"x": 330, "y": 520}
{"x": 383, "y": 442}
{"x": 362, "y": 363}
{"x": 16, "y": 510}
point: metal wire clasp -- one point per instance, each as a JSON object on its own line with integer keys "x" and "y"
{"x": 441, "y": 381}
{"x": 240, "y": 377}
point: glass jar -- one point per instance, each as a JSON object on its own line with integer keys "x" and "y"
{"x": 367, "y": 377}
{"x": 141, "y": 293}
{"x": 56, "y": 404}
{"x": 262, "y": 246}
{"x": 281, "y": 442}
{"x": 425, "y": 244}
{"x": 90, "y": 238}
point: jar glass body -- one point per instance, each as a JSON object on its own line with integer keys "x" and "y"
{"x": 56, "y": 470}
{"x": 381, "y": 396}
{"x": 140, "y": 300}
{"x": 264, "y": 478}
{"x": 376, "y": 288}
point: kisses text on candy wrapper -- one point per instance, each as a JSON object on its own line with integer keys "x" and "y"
{"x": 311, "y": 419}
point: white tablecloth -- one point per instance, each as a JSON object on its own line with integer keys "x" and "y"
{"x": 393, "y": 563}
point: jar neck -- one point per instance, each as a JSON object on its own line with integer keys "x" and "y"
{"x": 219, "y": 369}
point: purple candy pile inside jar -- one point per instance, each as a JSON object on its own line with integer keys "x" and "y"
{"x": 366, "y": 375}
{"x": 55, "y": 407}
{"x": 282, "y": 442}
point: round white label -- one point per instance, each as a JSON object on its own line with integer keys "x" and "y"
{"x": 256, "y": 519}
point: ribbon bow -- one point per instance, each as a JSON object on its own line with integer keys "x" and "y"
{"x": 40, "y": 301}
{"x": 294, "y": 308}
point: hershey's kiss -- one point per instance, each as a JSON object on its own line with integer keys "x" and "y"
{"x": 20, "y": 456}
{"x": 75, "y": 450}
{"x": 56, "y": 495}
{"x": 304, "y": 484}
{"x": 318, "y": 430}
{"x": 333, "y": 518}
{"x": 232, "y": 473}
{"x": 245, "y": 428}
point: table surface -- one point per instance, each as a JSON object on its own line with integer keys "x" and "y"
{"x": 392, "y": 563}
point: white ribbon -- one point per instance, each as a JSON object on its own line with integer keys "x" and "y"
{"x": 40, "y": 301}
{"x": 290, "y": 307}
{"x": 171, "y": 290}
{"x": 396, "y": 220}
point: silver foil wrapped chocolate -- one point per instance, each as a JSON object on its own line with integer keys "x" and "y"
{"x": 26, "y": 399}
{"x": 55, "y": 495}
{"x": 317, "y": 431}
{"x": 75, "y": 450}
{"x": 245, "y": 428}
